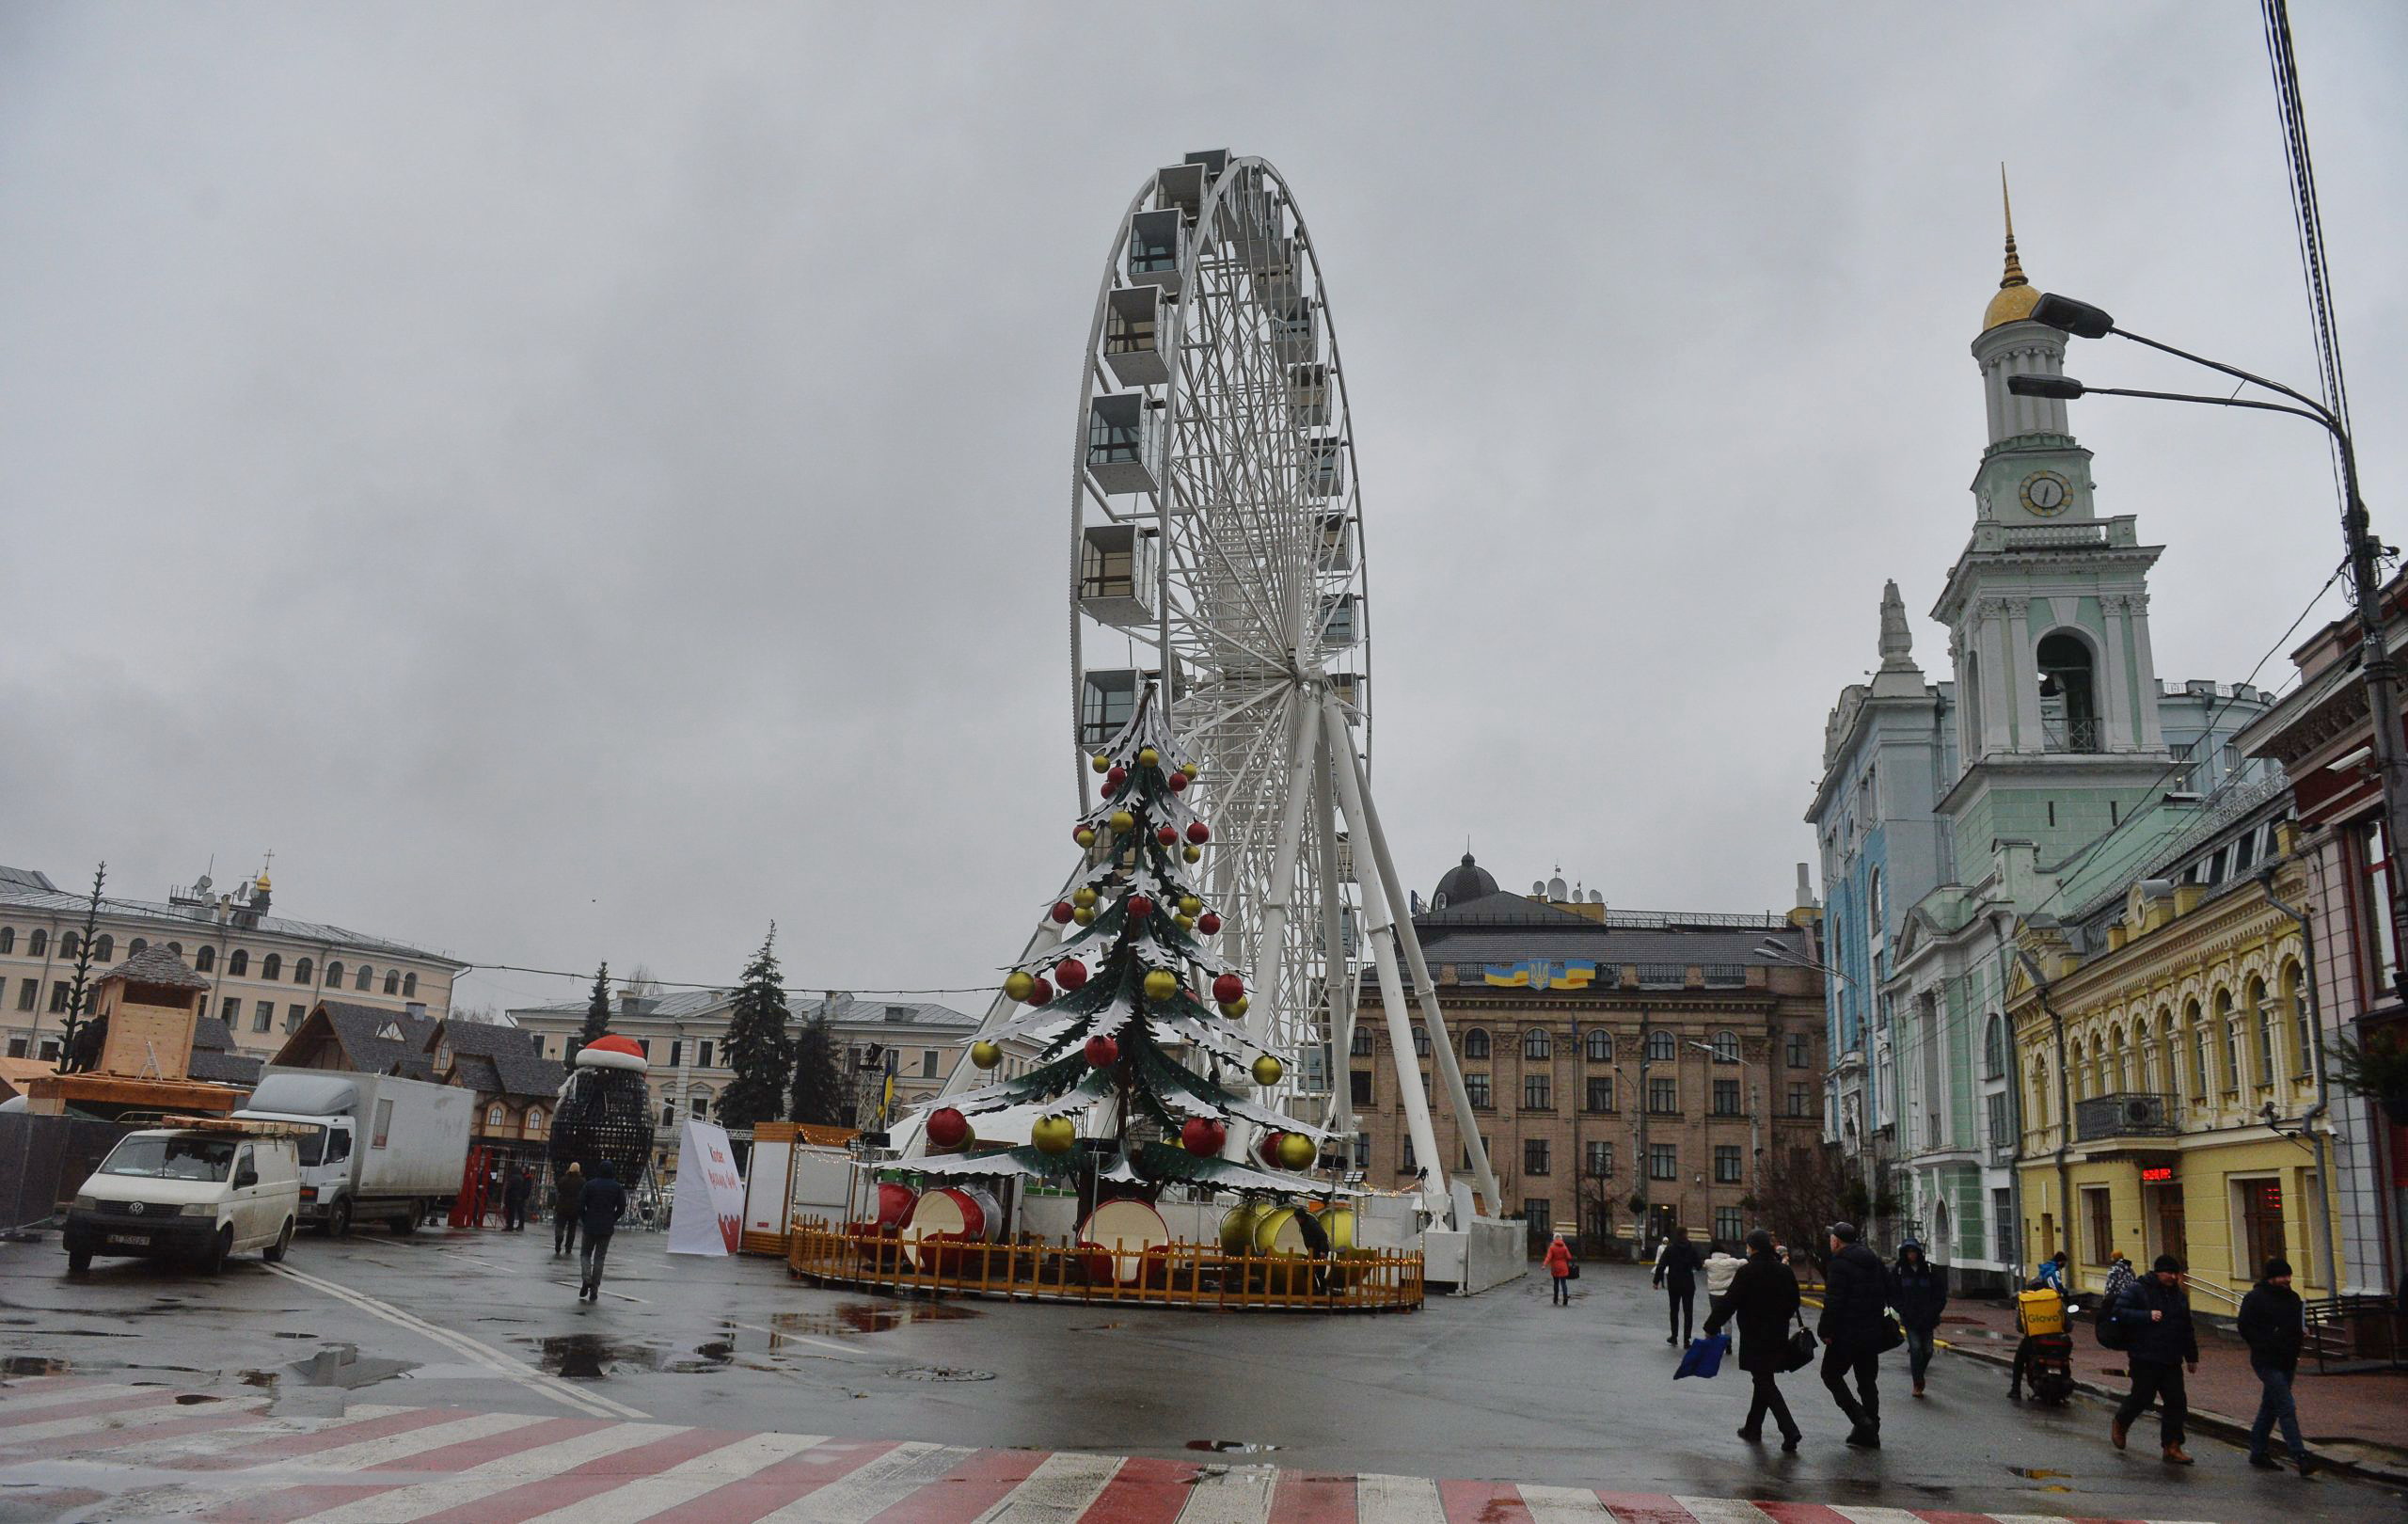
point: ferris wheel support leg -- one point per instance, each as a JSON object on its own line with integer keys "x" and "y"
{"x": 1271, "y": 936}
{"x": 1337, "y": 980}
{"x": 1379, "y": 915}
{"x": 1425, "y": 990}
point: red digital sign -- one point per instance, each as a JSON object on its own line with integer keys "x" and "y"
{"x": 2156, "y": 1174}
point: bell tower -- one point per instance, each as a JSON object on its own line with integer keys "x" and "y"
{"x": 2047, "y": 610}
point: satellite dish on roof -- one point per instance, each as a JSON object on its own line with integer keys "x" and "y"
{"x": 1555, "y": 887}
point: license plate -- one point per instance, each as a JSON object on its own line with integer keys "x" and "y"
{"x": 130, "y": 1240}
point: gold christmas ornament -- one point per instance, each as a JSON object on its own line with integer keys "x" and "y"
{"x": 1186, "y": 923}
{"x": 1018, "y": 983}
{"x": 1083, "y": 896}
{"x": 1296, "y": 1151}
{"x": 1189, "y": 904}
{"x": 985, "y": 1054}
{"x": 1147, "y": 757}
{"x": 1267, "y": 1070}
{"x": 1100, "y": 762}
{"x": 1084, "y": 916}
{"x": 1194, "y": 854}
{"x": 1161, "y": 984}
{"x": 1053, "y": 1134}
{"x": 1123, "y": 822}
{"x": 1237, "y": 1007}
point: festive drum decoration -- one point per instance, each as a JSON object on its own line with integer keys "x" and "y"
{"x": 1083, "y": 896}
{"x": 1123, "y": 822}
{"x": 1039, "y": 991}
{"x": 1141, "y": 909}
{"x": 1227, "y": 988}
{"x": 1237, "y": 1228}
{"x": 1290, "y": 1232}
{"x": 1198, "y": 833}
{"x": 1053, "y": 1134}
{"x": 604, "y": 1114}
{"x": 1018, "y": 983}
{"x": 945, "y": 1219}
{"x": 1148, "y": 757}
{"x": 1101, "y": 1051}
{"x": 1161, "y": 984}
{"x": 895, "y": 1203}
{"x": 1267, "y": 1070}
{"x": 985, "y": 1054}
{"x": 1071, "y": 973}
{"x": 1296, "y": 1151}
{"x": 1115, "y": 1237}
{"x": 948, "y": 1129}
{"x": 1202, "y": 1136}
{"x": 1063, "y": 911}
{"x": 1209, "y": 923}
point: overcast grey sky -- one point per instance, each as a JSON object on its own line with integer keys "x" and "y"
{"x": 580, "y": 482}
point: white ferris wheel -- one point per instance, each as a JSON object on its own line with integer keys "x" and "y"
{"x": 1217, "y": 557}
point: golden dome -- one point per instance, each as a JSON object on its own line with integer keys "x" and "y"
{"x": 2016, "y": 295}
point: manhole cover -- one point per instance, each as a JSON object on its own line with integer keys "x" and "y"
{"x": 939, "y": 1372}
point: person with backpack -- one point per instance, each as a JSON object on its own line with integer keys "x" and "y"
{"x": 1919, "y": 1291}
{"x": 2273, "y": 1322}
{"x": 2120, "y": 1275}
{"x": 1677, "y": 1271}
{"x": 604, "y": 1203}
{"x": 1762, "y": 1298}
{"x": 2151, "y": 1324}
{"x": 1855, "y": 1327}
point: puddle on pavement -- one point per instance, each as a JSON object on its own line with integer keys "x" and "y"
{"x": 867, "y": 1317}
{"x": 289, "y": 1335}
{"x": 593, "y": 1358}
{"x": 1231, "y": 1447}
{"x": 193, "y": 1399}
{"x": 258, "y": 1378}
{"x": 33, "y": 1365}
{"x": 95, "y": 1333}
{"x": 2039, "y": 1473}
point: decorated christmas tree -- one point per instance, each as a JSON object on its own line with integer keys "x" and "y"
{"x": 1138, "y": 1019}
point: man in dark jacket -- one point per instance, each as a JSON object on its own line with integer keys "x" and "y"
{"x": 1919, "y": 1291}
{"x": 604, "y": 1203}
{"x": 2274, "y": 1324}
{"x": 1762, "y": 1298}
{"x": 2160, "y": 1344}
{"x": 1854, "y": 1327}
{"x": 1676, "y": 1270}
{"x": 568, "y": 1199}
{"x": 517, "y": 1186}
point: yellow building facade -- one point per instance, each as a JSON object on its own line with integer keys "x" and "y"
{"x": 2167, "y": 1074}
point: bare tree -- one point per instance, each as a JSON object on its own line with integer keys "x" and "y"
{"x": 641, "y": 983}
{"x": 1804, "y": 1189}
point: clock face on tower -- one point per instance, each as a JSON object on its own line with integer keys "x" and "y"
{"x": 2045, "y": 493}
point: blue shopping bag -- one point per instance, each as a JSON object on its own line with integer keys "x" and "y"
{"x": 1703, "y": 1357}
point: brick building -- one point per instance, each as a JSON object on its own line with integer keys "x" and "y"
{"x": 1608, "y": 1054}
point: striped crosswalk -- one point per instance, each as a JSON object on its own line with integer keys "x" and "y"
{"x": 112, "y": 1453}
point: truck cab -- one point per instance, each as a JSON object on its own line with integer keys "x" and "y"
{"x": 201, "y": 1191}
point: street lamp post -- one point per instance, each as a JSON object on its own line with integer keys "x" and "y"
{"x": 2083, "y": 320}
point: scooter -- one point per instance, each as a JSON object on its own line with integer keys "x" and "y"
{"x": 2046, "y": 1362}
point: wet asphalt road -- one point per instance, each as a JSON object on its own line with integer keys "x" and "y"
{"x": 1502, "y": 1385}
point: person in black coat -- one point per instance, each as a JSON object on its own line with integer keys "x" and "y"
{"x": 515, "y": 1188}
{"x": 2154, "y": 1316}
{"x": 1855, "y": 1326}
{"x": 568, "y": 1201}
{"x": 1919, "y": 1290}
{"x": 2273, "y": 1322}
{"x": 1677, "y": 1271}
{"x": 1762, "y": 1299}
{"x": 603, "y": 1204}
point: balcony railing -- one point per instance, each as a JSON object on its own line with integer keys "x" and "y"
{"x": 2125, "y": 1114}
{"x": 2060, "y": 734}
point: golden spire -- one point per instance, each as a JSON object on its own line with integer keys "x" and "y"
{"x": 2016, "y": 299}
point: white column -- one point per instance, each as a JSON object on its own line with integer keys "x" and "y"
{"x": 2118, "y": 693}
{"x": 2152, "y": 732}
{"x": 1998, "y": 669}
{"x": 2023, "y": 672}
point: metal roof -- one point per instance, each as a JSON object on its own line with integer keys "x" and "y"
{"x": 26, "y": 890}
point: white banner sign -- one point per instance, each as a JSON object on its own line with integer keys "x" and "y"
{"x": 707, "y": 1215}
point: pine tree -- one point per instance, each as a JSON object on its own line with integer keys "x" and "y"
{"x": 818, "y": 1094}
{"x": 79, "y": 997}
{"x": 1124, "y": 1007}
{"x": 757, "y": 1046}
{"x": 597, "y": 1007}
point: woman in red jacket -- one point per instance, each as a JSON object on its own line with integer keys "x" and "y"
{"x": 1559, "y": 1265}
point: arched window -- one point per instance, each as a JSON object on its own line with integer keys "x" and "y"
{"x": 2040, "y": 1112}
{"x": 493, "y": 1116}
{"x": 136, "y": 947}
{"x": 105, "y": 948}
{"x": 2120, "y": 1078}
{"x": 2265, "y": 1012}
{"x": 272, "y": 966}
{"x": 334, "y": 975}
{"x": 669, "y": 1113}
{"x": 39, "y": 943}
{"x": 2169, "y": 1043}
{"x": 2303, "y": 1042}
{"x": 409, "y": 984}
{"x": 238, "y": 963}
{"x": 365, "y": 975}
{"x": 304, "y": 970}
{"x": 1599, "y": 1045}
{"x": 535, "y": 1121}
{"x": 2145, "y": 1053}
{"x": 1537, "y": 1044}
{"x": 204, "y": 958}
{"x": 1660, "y": 1046}
{"x": 1994, "y": 1048}
{"x": 68, "y": 943}
{"x": 1360, "y": 1043}
{"x": 2075, "y": 1071}
{"x": 176, "y": 947}
{"x": 1726, "y": 1047}
{"x": 392, "y": 981}
{"x": 2069, "y": 701}
{"x": 1476, "y": 1043}
{"x": 2203, "y": 1064}
{"x": 7, "y": 941}
{"x": 1421, "y": 1041}
{"x": 2228, "y": 1026}
{"x": 1969, "y": 694}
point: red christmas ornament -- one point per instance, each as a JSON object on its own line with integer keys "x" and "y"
{"x": 1208, "y": 923}
{"x": 1198, "y": 834}
{"x": 1202, "y": 1136}
{"x": 1141, "y": 909}
{"x": 1040, "y": 992}
{"x": 1113, "y": 779}
{"x": 1070, "y": 974}
{"x": 1062, "y": 912}
{"x": 1102, "y": 1051}
{"x": 947, "y": 1127}
{"x": 1227, "y": 987}
{"x": 1178, "y": 783}
{"x": 1167, "y": 835}
{"x": 1269, "y": 1147}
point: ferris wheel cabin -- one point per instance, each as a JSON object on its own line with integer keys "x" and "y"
{"x": 1120, "y": 566}
{"x": 1157, "y": 245}
{"x": 1125, "y": 443}
{"x": 1133, "y": 336}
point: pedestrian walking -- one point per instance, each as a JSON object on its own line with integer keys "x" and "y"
{"x": 603, "y": 1203}
{"x": 1854, "y": 1327}
{"x": 514, "y": 1200}
{"x": 2274, "y": 1324}
{"x": 568, "y": 1197}
{"x": 1677, "y": 1271}
{"x": 1721, "y": 1268}
{"x": 2160, "y": 1344}
{"x": 1558, "y": 1266}
{"x": 2119, "y": 1277}
{"x": 1919, "y": 1293}
{"x": 1760, "y": 1298}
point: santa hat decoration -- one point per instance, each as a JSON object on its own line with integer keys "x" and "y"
{"x": 611, "y": 1051}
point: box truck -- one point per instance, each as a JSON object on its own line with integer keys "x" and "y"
{"x": 371, "y": 1145}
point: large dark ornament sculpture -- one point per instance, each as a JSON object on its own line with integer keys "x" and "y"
{"x": 604, "y": 1111}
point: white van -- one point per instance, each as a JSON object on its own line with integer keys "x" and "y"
{"x": 200, "y": 1192}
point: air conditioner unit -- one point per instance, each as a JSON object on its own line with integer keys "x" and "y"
{"x": 2145, "y": 1112}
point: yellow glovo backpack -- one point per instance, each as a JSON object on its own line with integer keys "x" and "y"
{"x": 2041, "y": 1312}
